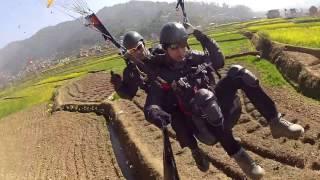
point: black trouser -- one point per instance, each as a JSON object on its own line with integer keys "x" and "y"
{"x": 225, "y": 92}
{"x": 226, "y": 139}
{"x": 231, "y": 110}
{"x": 184, "y": 129}
{"x": 227, "y": 88}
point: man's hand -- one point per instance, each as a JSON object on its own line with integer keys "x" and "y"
{"x": 116, "y": 80}
{"x": 190, "y": 29}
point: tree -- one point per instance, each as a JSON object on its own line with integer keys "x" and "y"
{"x": 313, "y": 11}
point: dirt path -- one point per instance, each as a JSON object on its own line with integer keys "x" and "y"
{"x": 65, "y": 145}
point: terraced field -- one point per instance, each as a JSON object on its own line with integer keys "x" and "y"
{"x": 64, "y": 145}
{"x": 282, "y": 158}
{"x": 77, "y": 145}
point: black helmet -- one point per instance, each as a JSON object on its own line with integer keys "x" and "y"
{"x": 173, "y": 33}
{"x": 131, "y": 39}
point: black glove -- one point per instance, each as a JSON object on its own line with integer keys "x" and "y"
{"x": 116, "y": 80}
{"x": 162, "y": 116}
{"x": 189, "y": 28}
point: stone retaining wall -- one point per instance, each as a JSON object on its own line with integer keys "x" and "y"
{"x": 300, "y": 66}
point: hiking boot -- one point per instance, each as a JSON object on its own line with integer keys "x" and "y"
{"x": 248, "y": 166}
{"x": 201, "y": 159}
{"x": 283, "y": 128}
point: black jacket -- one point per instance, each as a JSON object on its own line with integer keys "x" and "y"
{"x": 131, "y": 81}
{"x": 134, "y": 76}
{"x": 161, "y": 96}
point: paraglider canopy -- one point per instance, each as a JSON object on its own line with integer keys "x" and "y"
{"x": 70, "y": 7}
{"x": 49, "y": 3}
{"x": 73, "y": 8}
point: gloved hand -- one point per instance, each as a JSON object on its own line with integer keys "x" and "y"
{"x": 162, "y": 116}
{"x": 116, "y": 80}
{"x": 190, "y": 29}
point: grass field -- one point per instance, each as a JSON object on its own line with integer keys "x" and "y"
{"x": 300, "y": 31}
{"x": 229, "y": 42}
{"x": 40, "y": 89}
{"x": 300, "y": 36}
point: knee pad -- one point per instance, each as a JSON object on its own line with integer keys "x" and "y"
{"x": 201, "y": 117}
{"x": 202, "y": 96}
{"x": 202, "y": 133}
{"x": 247, "y": 77}
{"x": 205, "y": 106}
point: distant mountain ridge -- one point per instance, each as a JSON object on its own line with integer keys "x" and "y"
{"x": 146, "y": 17}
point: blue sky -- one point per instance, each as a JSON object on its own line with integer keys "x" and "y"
{"x": 21, "y": 19}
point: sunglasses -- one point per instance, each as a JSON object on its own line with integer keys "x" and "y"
{"x": 178, "y": 45}
{"x": 137, "y": 48}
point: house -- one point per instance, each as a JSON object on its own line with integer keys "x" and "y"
{"x": 274, "y": 13}
{"x": 292, "y": 13}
